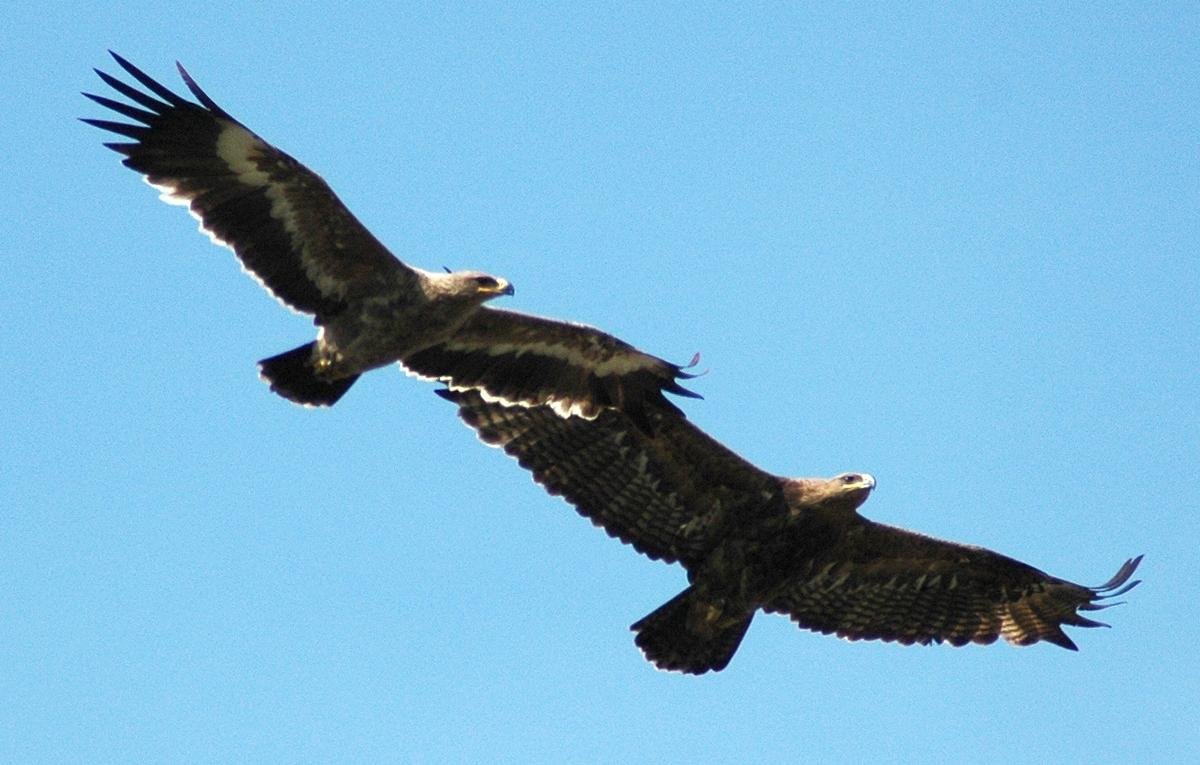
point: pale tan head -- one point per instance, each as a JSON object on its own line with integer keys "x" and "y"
{"x": 843, "y": 492}
{"x": 470, "y": 286}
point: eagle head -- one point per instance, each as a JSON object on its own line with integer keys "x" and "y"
{"x": 844, "y": 492}
{"x": 475, "y": 286}
{"x": 852, "y": 487}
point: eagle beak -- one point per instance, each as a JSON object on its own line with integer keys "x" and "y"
{"x": 858, "y": 481}
{"x": 502, "y": 288}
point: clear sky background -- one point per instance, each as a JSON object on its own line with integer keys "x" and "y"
{"x": 956, "y": 248}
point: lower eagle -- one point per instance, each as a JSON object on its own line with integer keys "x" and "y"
{"x": 292, "y": 233}
{"x": 796, "y": 546}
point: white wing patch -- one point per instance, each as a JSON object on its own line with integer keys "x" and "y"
{"x": 240, "y": 149}
{"x": 237, "y": 148}
{"x": 615, "y": 364}
{"x": 560, "y": 407}
{"x": 233, "y": 147}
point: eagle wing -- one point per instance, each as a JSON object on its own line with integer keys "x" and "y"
{"x": 668, "y": 491}
{"x": 517, "y": 358}
{"x": 878, "y": 582}
{"x": 284, "y": 223}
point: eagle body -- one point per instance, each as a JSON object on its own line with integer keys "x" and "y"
{"x": 396, "y": 323}
{"x": 297, "y": 239}
{"x": 753, "y": 541}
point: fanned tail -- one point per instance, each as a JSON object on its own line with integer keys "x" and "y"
{"x": 293, "y": 376}
{"x": 680, "y": 636}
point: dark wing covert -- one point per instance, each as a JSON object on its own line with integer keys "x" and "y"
{"x": 670, "y": 492}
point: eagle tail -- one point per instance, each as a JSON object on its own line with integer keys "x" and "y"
{"x": 293, "y": 376}
{"x": 679, "y": 636}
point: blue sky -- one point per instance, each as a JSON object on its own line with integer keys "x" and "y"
{"x": 954, "y": 248}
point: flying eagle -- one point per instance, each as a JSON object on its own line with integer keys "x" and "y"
{"x": 300, "y": 242}
{"x": 751, "y": 540}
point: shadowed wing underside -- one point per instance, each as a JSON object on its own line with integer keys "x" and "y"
{"x": 878, "y": 582}
{"x": 283, "y": 222}
{"x": 669, "y": 492}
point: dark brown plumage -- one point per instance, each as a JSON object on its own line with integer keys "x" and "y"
{"x": 290, "y": 231}
{"x": 751, "y": 540}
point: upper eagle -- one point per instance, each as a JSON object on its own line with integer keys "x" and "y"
{"x": 752, "y": 540}
{"x": 292, "y": 233}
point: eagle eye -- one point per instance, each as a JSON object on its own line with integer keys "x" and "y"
{"x": 851, "y": 478}
{"x": 486, "y": 281}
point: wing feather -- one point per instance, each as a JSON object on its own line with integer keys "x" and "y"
{"x": 883, "y": 583}
{"x": 577, "y": 370}
{"x": 669, "y": 493}
{"x": 284, "y": 223}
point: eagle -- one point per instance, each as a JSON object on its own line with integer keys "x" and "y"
{"x": 750, "y": 540}
{"x": 292, "y": 234}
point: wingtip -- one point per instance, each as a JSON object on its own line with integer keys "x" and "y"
{"x": 124, "y": 62}
{"x": 679, "y": 390}
{"x": 200, "y": 95}
{"x": 690, "y": 365}
{"x": 1119, "y": 584}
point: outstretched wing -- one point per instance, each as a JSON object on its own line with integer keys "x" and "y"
{"x": 885, "y": 583}
{"x": 284, "y": 223}
{"x": 516, "y": 358}
{"x": 670, "y": 492}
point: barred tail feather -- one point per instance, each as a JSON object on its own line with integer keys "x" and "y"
{"x": 672, "y": 640}
{"x": 293, "y": 376}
